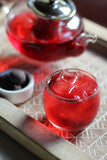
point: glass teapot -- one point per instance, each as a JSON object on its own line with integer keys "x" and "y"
{"x": 47, "y": 30}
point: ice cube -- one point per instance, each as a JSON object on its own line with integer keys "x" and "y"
{"x": 69, "y": 77}
{"x": 75, "y": 92}
{"x": 59, "y": 87}
{"x": 89, "y": 85}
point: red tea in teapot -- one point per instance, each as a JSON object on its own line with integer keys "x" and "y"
{"x": 46, "y": 30}
{"x": 24, "y": 35}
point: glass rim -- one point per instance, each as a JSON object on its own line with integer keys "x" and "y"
{"x": 67, "y": 99}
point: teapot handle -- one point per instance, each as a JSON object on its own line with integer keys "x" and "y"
{"x": 78, "y": 46}
{"x": 81, "y": 43}
{"x": 85, "y": 38}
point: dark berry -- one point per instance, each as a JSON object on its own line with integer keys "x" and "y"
{"x": 17, "y": 77}
{"x": 14, "y": 80}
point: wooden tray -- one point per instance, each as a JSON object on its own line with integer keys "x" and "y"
{"x": 27, "y": 123}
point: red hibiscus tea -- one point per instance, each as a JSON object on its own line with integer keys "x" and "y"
{"x": 43, "y": 40}
{"x": 71, "y": 99}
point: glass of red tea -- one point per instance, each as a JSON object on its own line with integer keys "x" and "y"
{"x": 71, "y": 99}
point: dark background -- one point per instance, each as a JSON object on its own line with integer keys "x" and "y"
{"x": 95, "y": 10}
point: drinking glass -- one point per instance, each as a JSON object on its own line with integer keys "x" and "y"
{"x": 71, "y": 99}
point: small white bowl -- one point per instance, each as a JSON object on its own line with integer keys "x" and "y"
{"x": 21, "y": 95}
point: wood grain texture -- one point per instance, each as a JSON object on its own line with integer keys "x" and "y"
{"x": 100, "y": 31}
{"x": 35, "y": 136}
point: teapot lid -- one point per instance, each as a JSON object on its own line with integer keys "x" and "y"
{"x": 53, "y": 9}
